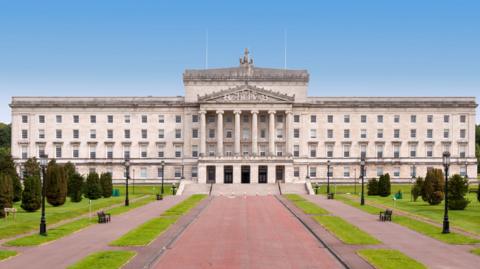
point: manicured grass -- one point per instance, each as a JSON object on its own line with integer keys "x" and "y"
{"x": 4, "y": 254}
{"x": 389, "y": 259}
{"x": 307, "y": 207}
{"x": 71, "y": 227}
{"x": 476, "y": 251}
{"x": 346, "y": 232}
{"x": 148, "y": 231}
{"x": 104, "y": 260}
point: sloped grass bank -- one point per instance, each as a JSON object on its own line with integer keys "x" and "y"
{"x": 389, "y": 259}
{"x": 104, "y": 260}
{"x": 5, "y": 254}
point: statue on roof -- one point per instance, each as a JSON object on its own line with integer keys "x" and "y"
{"x": 246, "y": 61}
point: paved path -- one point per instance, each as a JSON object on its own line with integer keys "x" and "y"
{"x": 246, "y": 232}
{"x": 65, "y": 251}
{"x": 431, "y": 252}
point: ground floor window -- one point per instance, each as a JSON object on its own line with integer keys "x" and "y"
{"x": 178, "y": 172}
{"x": 296, "y": 172}
{"x": 313, "y": 172}
{"x": 143, "y": 172}
{"x": 194, "y": 171}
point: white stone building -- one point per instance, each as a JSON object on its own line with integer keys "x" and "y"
{"x": 250, "y": 125}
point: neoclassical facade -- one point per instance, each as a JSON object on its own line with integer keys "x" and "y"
{"x": 247, "y": 125}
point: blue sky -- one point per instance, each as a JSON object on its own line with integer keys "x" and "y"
{"x": 351, "y": 48}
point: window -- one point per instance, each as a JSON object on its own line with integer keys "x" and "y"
{"x": 396, "y": 133}
{"x": 429, "y": 118}
{"x": 263, "y": 118}
{"x": 127, "y": 118}
{"x": 429, "y": 133}
{"x": 462, "y": 133}
{"x": 413, "y": 150}
{"x": 446, "y": 147}
{"x": 41, "y": 134}
{"x": 380, "y": 133}
{"x": 178, "y": 151}
{"x": 263, "y": 150}
{"x": 379, "y": 171}
{"x": 178, "y": 172}
{"x": 245, "y": 150}
{"x": 313, "y": 133}
{"x": 110, "y": 134}
{"x": 144, "y": 119}
{"x": 446, "y": 118}
{"x": 363, "y": 118}
{"x": 76, "y": 134}
{"x": 396, "y": 118}
{"x": 413, "y": 118}
{"x": 313, "y": 118}
{"x": 194, "y": 133}
{"x": 211, "y": 133}
{"x": 178, "y": 133}
{"x": 24, "y": 119}
{"x": 245, "y": 133}
{"x": 329, "y": 150}
{"x": 93, "y": 119}
{"x": 93, "y": 134}
{"x": 109, "y": 151}
{"x": 346, "y": 171}
{"x": 93, "y": 151}
{"x": 144, "y": 133}
{"x": 143, "y": 172}
{"x": 346, "y": 133}
{"x": 195, "y": 118}
{"x": 194, "y": 151}
{"x": 76, "y": 119}
{"x": 245, "y": 118}
{"x": 380, "y": 118}
{"x": 429, "y": 150}
{"x": 24, "y": 152}
{"x": 296, "y": 150}
{"x": 346, "y": 118}
{"x": 228, "y": 150}
{"x": 211, "y": 119}
{"x": 279, "y": 133}
{"x": 346, "y": 151}
{"x": 75, "y": 152}
{"x": 446, "y": 133}
{"x": 58, "y": 134}
{"x": 194, "y": 171}
{"x": 263, "y": 133}
{"x": 380, "y": 151}
{"x": 143, "y": 151}
{"x": 126, "y": 151}
{"x": 396, "y": 151}
{"x": 279, "y": 148}
{"x": 296, "y": 171}
{"x": 161, "y": 118}
{"x": 296, "y": 118}
{"x": 463, "y": 171}
{"x": 296, "y": 133}
{"x": 110, "y": 119}
{"x": 279, "y": 118}
{"x": 463, "y": 118}
{"x": 41, "y": 119}
{"x": 313, "y": 150}
{"x": 363, "y": 150}
{"x": 396, "y": 171}
{"x": 461, "y": 150}
{"x": 330, "y": 118}
{"x": 363, "y": 133}
{"x": 58, "y": 151}
{"x": 161, "y": 133}
{"x": 413, "y": 133}
{"x": 330, "y": 133}
{"x": 24, "y": 134}
{"x": 228, "y": 133}
{"x": 160, "y": 172}
{"x": 313, "y": 172}
{"x": 126, "y": 133}
{"x": 161, "y": 150}
{"x": 59, "y": 118}
{"x": 178, "y": 118}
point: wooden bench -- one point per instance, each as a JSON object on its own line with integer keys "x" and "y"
{"x": 103, "y": 217}
{"x": 386, "y": 215}
{"x": 330, "y": 196}
{"x": 9, "y": 210}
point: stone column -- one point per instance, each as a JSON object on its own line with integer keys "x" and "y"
{"x": 203, "y": 135}
{"x": 254, "y": 133}
{"x": 271, "y": 133}
{"x": 237, "y": 132}
{"x": 288, "y": 133}
{"x": 219, "y": 132}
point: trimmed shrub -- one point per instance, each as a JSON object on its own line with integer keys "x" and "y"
{"x": 7, "y": 166}
{"x": 433, "y": 187}
{"x": 107, "y": 186}
{"x": 372, "y": 187}
{"x": 32, "y": 167}
{"x": 76, "y": 187}
{"x": 417, "y": 188}
{"x": 70, "y": 170}
{"x": 17, "y": 188}
{"x": 457, "y": 189}
{"x": 93, "y": 188}
{"x": 384, "y": 187}
{"x": 32, "y": 193}
{"x": 56, "y": 184}
{"x": 6, "y": 193}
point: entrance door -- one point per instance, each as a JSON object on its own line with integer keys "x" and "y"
{"x": 228, "y": 174}
{"x": 245, "y": 174}
{"x": 210, "y": 174}
{"x": 262, "y": 174}
{"x": 280, "y": 173}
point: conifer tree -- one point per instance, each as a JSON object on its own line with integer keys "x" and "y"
{"x": 93, "y": 188}
{"x": 6, "y": 193}
{"x": 32, "y": 193}
{"x": 107, "y": 186}
{"x": 55, "y": 184}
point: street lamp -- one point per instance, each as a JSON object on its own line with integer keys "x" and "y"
{"x": 362, "y": 173}
{"x": 414, "y": 175}
{"x": 43, "y": 166}
{"x": 466, "y": 169}
{"x": 446, "y": 164}
{"x": 127, "y": 177}
{"x": 163, "y": 174}
{"x": 328, "y": 177}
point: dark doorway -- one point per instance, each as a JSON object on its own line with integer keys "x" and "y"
{"x": 228, "y": 174}
{"x": 210, "y": 174}
{"x": 280, "y": 173}
{"x": 245, "y": 174}
{"x": 262, "y": 174}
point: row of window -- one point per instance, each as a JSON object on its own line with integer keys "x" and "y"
{"x": 143, "y": 172}
{"x": 380, "y": 133}
{"x": 109, "y": 118}
{"x": 380, "y": 118}
{"x": 93, "y": 133}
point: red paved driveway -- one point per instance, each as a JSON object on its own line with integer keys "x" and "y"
{"x": 251, "y": 232}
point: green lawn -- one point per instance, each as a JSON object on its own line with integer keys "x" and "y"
{"x": 104, "y": 260}
{"x": 476, "y": 251}
{"x": 307, "y": 207}
{"x": 148, "y": 231}
{"x": 4, "y": 254}
{"x": 389, "y": 259}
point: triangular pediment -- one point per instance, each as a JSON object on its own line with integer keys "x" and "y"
{"x": 246, "y": 94}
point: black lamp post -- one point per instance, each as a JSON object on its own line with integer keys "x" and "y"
{"x": 163, "y": 174}
{"x": 446, "y": 164}
{"x": 414, "y": 176}
{"x": 43, "y": 222}
{"x": 328, "y": 177}
{"x": 466, "y": 169}
{"x": 362, "y": 174}
{"x": 127, "y": 177}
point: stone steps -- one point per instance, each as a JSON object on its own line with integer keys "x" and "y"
{"x": 296, "y": 188}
